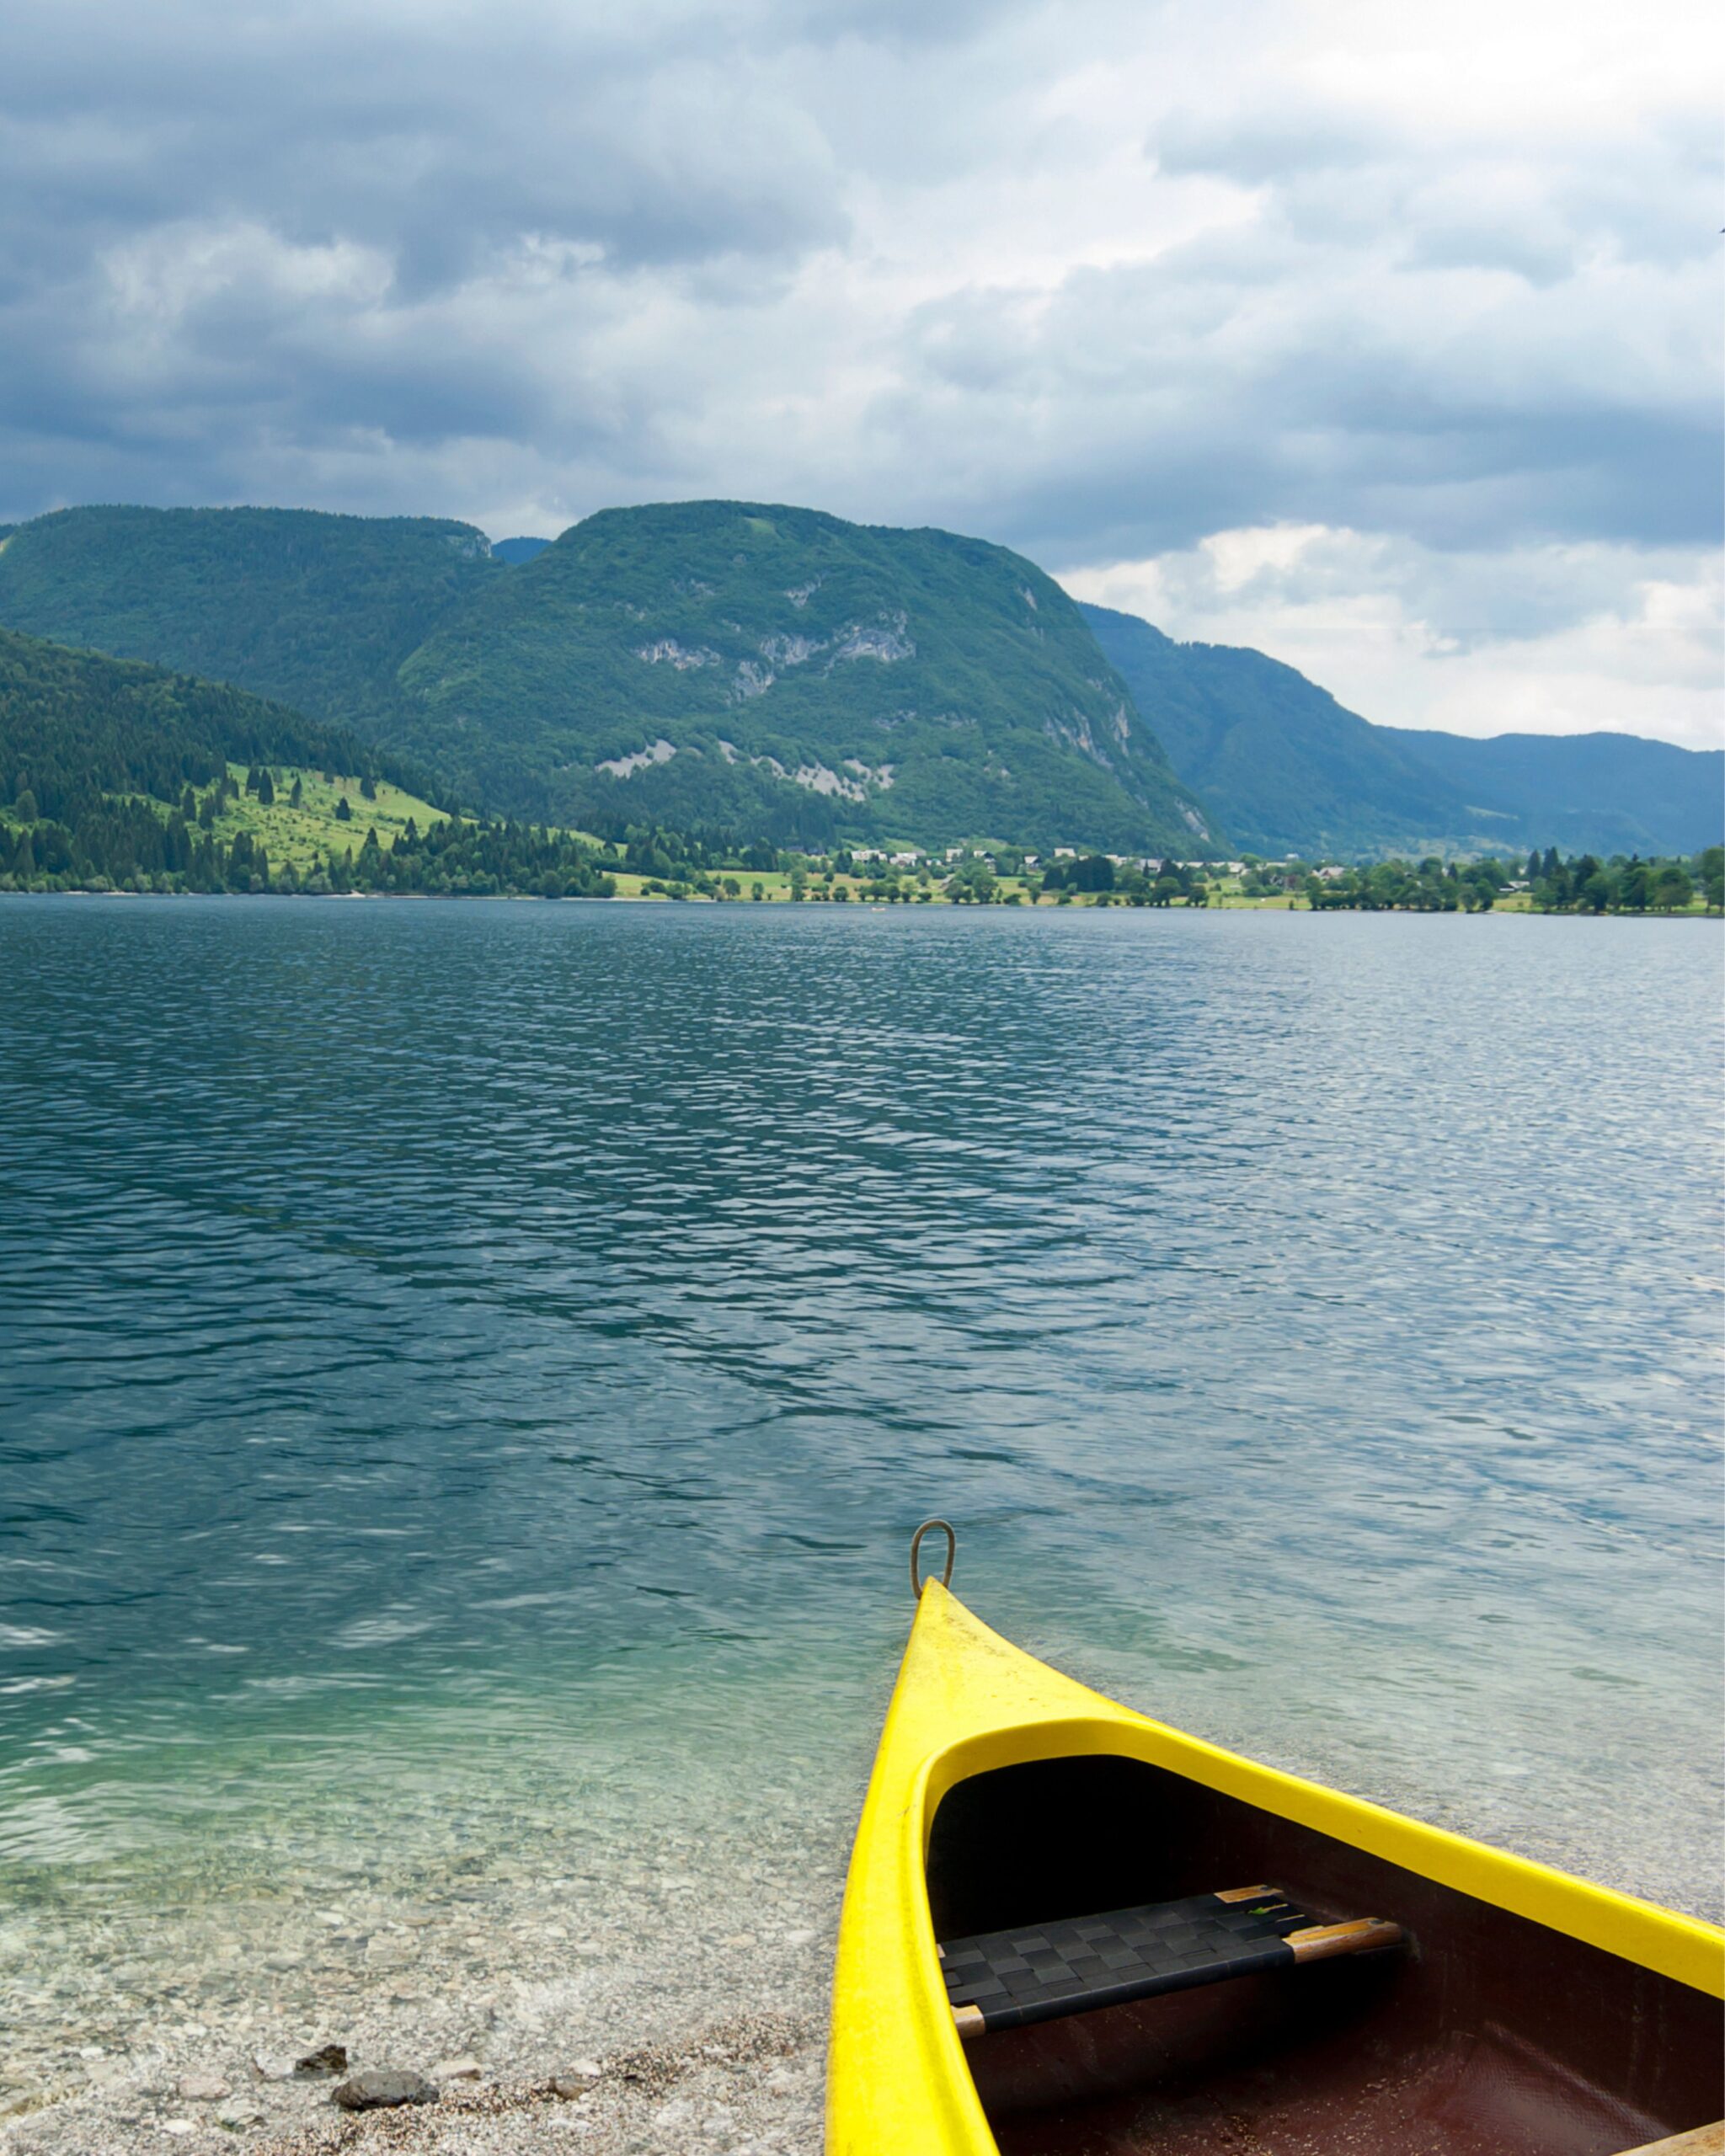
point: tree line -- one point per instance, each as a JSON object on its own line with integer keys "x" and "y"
{"x": 128, "y": 845}
{"x": 1580, "y": 884}
{"x": 77, "y": 729}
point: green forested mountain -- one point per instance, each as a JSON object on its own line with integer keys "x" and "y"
{"x": 716, "y": 663}
{"x": 1604, "y": 792}
{"x": 315, "y": 611}
{"x": 781, "y": 669}
{"x": 76, "y": 727}
{"x": 1287, "y": 769}
{"x": 780, "y": 672}
{"x": 116, "y": 775}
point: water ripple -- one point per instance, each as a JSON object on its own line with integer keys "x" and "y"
{"x": 563, "y": 1311}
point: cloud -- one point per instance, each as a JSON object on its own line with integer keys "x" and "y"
{"x": 1102, "y": 279}
{"x": 1552, "y": 639}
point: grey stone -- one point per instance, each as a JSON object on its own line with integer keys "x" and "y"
{"x": 203, "y": 2089}
{"x": 327, "y": 2058}
{"x": 382, "y": 2088}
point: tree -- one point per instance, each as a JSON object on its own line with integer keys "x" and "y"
{"x": 343, "y": 815}
{"x": 296, "y": 798}
{"x": 1672, "y": 888}
{"x": 25, "y": 807}
{"x": 1711, "y": 868}
{"x": 368, "y": 788}
{"x": 266, "y": 789}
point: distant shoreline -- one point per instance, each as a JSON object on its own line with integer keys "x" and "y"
{"x": 1507, "y": 910}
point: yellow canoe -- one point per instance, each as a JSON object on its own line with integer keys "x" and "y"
{"x": 1524, "y": 2014}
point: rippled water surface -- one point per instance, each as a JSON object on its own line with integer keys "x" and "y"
{"x": 467, "y": 1372}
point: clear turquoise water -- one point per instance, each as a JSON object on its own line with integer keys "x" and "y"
{"x": 467, "y": 1368}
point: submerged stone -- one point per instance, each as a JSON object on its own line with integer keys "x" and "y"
{"x": 382, "y": 2088}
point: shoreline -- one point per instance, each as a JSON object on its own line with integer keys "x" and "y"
{"x": 874, "y": 905}
{"x": 615, "y": 2013}
{"x": 640, "y": 2015}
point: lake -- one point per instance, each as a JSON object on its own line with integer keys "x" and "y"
{"x": 468, "y": 1372}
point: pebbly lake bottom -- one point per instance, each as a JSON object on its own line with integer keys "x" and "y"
{"x": 638, "y": 1887}
{"x": 474, "y": 1886}
{"x": 467, "y": 1376}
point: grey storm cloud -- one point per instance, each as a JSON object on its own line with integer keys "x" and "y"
{"x": 1096, "y": 277}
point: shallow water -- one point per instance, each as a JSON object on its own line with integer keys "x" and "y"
{"x": 468, "y": 1372}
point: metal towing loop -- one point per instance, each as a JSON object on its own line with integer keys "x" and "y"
{"x": 946, "y": 1578}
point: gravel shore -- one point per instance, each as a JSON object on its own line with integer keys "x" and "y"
{"x": 674, "y": 2001}
{"x": 750, "y": 2086}
{"x": 570, "y": 1977}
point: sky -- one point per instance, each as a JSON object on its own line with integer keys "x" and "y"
{"x": 1383, "y": 337}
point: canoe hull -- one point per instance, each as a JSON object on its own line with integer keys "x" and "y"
{"x": 1005, "y": 1793}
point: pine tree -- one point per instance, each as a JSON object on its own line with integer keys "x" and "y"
{"x": 296, "y": 798}
{"x": 343, "y": 815}
{"x": 266, "y": 789}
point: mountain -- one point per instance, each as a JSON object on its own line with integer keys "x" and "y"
{"x": 780, "y": 669}
{"x": 777, "y": 669}
{"x": 315, "y": 611}
{"x": 115, "y": 775}
{"x": 76, "y": 727}
{"x": 1287, "y": 770}
{"x": 1597, "y": 792}
{"x": 789, "y": 675}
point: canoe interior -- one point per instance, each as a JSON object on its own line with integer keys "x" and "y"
{"x": 1491, "y": 2037}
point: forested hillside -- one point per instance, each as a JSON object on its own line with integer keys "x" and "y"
{"x": 316, "y": 611}
{"x": 115, "y": 775}
{"x": 712, "y": 663}
{"x": 780, "y": 674}
{"x": 780, "y": 669}
{"x": 1287, "y": 770}
{"x": 1609, "y": 792}
{"x": 76, "y": 727}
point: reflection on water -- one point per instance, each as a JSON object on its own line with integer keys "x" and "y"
{"x": 454, "y": 1354}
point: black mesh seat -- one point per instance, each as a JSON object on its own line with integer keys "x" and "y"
{"x": 1005, "y": 1979}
